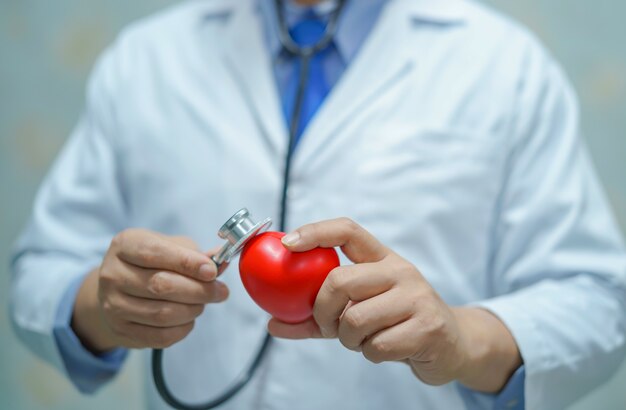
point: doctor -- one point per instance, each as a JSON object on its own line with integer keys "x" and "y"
{"x": 486, "y": 270}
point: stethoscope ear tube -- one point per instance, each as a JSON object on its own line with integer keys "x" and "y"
{"x": 226, "y": 253}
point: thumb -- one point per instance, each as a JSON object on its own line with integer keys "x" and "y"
{"x": 355, "y": 242}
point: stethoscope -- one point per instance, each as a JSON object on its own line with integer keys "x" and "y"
{"x": 240, "y": 228}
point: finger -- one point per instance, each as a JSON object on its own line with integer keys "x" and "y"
{"x": 370, "y": 316}
{"x": 143, "y": 336}
{"x": 185, "y": 241}
{"x": 191, "y": 244}
{"x": 357, "y": 243}
{"x": 398, "y": 342}
{"x": 344, "y": 284}
{"x": 214, "y": 251}
{"x": 169, "y": 286}
{"x": 305, "y": 330}
{"x": 152, "y": 312}
{"x": 149, "y": 250}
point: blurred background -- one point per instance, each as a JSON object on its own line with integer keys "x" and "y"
{"x": 47, "y": 49}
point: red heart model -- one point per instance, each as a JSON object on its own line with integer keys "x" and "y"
{"x": 284, "y": 283}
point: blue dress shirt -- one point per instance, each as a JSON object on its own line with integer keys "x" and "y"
{"x": 88, "y": 371}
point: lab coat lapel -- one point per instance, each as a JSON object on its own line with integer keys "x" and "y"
{"x": 382, "y": 62}
{"x": 247, "y": 56}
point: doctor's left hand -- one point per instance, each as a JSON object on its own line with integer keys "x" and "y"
{"x": 384, "y": 308}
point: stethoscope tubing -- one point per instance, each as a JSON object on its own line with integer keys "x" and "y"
{"x": 305, "y": 54}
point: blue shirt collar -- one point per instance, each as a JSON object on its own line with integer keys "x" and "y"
{"x": 356, "y": 22}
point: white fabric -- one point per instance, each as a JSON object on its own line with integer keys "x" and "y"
{"x": 453, "y": 138}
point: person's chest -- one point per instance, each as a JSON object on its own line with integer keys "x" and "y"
{"x": 409, "y": 145}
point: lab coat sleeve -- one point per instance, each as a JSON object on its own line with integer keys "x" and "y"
{"x": 78, "y": 209}
{"x": 558, "y": 266}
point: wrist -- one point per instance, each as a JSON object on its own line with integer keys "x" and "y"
{"x": 489, "y": 352}
{"x": 87, "y": 321}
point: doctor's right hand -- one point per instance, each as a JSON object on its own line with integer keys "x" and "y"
{"x": 147, "y": 292}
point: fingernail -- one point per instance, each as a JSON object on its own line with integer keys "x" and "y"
{"x": 207, "y": 271}
{"x": 291, "y": 239}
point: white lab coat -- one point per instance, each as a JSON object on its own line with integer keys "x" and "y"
{"x": 453, "y": 137}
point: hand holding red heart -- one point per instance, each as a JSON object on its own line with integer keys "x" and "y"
{"x": 282, "y": 282}
{"x": 384, "y": 308}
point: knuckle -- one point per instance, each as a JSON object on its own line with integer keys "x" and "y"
{"x": 108, "y": 308}
{"x": 353, "y": 318}
{"x": 377, "y": 350}
{"x": 123, "y": 238}
{"x": 381, "y": 347}
{"x": 186, "y": 262}
{"x": 404, "y": 266}
{"x": 401, "y": 268}
{"x": 347, "y": 222}
{"x": 106, "y": 276}
{"x": 336, "y": 280}
{"x": 119, "y": 239}
{"x": 149, "y": 250}
{"x": 111, "y": 308}
{"x": 162, "y": 314}
{"x": 159, "y": 285}
{"x": 348, "y": 225}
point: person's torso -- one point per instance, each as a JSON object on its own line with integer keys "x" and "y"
{"x": 411, "y": 143}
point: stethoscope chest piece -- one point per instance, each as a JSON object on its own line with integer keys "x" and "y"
{"x": 237, "y": 231}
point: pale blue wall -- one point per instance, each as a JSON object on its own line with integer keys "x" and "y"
{"x": 47, "y": 48}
